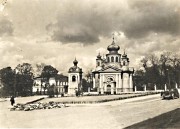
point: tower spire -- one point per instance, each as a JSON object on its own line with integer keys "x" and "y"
{"x": 113, "y": 38}
{"x": 124, "y": 51}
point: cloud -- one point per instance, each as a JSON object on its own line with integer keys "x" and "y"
{"x": 6, "y": 27}
{"x": 16, "y": 51}
{"x": 81, "y": 27}
{"x": 152, "y": 16}
{"x": 82, "y": 21}
{"x": 85, "y": 22}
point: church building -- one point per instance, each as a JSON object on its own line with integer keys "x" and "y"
{"x": 112, "y": 74}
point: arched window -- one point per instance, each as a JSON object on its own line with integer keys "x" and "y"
{"x": 124, "y": 63}
{"x": 116, "y": 59}
{"x": 98, "y": 63}
{"x": 73, "y": 78}
{"x": 108, "y": 60}
{"x": 112, "y": 59}
{"x": 111, "y": 79}
{"x": 108, "y": 85}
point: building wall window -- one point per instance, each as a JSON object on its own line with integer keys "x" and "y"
{"x": 112, "y": 59}
{"x": 124, "y": 63}
{"x": 98, "y": 63}
{"x": 116, "y": 59}
{"x": 73, "y": 78}
{"x": 108, "y": 60}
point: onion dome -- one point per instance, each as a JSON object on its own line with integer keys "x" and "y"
{"x": 99, "y": 56}
{"x": 75, "y": 68}
{"x": 113, "y": 48}
{"x": 124, "y": 56}
{"x": 75, "y": 62}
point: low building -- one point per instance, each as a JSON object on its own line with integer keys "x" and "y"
{"x": 60, "y": 83}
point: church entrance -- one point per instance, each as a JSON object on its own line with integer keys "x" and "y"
{"x": 108, "y": 91}
{"x": 110, "y": 85}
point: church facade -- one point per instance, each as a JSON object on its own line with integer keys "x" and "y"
{"x": 112, "y": 74}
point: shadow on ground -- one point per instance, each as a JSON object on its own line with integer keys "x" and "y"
{"x": 169, "y": 120}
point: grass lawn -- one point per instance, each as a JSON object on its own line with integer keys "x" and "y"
{"x": 92, "y": 99}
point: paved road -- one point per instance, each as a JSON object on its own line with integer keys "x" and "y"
{"x": 110, "y": 115}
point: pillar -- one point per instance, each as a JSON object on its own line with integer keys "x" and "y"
{"x": 144, "y": 87}
{"x": 120, "y": 83}
{"x": 176, "y": 86}
{"x": 102, "y": 91}
{"x": 117, "y": 83}
{"x": 112, "y": 88}
{"x": 130, "y": 83}
{"x": 125, "y": 82}
{"x": 135, "y": 89}
{"x": 100, "y": 85}
{"x": 94, "y": 82}
{"x": 88, "y": 89}
{"x": 165, "y": 87}
{"x": 155, "y": 88}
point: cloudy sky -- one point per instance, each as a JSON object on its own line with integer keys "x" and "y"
{"x": 54, "y": 32}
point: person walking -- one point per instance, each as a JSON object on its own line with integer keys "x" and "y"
{"x": 12, "y": 100}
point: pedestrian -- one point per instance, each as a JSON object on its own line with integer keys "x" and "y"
{"x": 12, "y": 100}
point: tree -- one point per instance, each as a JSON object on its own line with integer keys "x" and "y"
{"x": 51, "y": 91}
{"x": 24, "y": 79}
{"x": 175, "y": 63}
{"x": 139, "y": 79}
{"x": 48, "y": 72}
{"x": 7, "y": 81}
{"x": 87, "y": 82}
{"x": 24, "y": 68}
{"x": 151, "y": 75}
{"x": 159, "y": 71}
{"x": 39, "y": 68}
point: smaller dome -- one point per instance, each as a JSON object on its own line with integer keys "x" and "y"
{"x": 99, "y": 56}
{"x": 75, "y": 69}
{"x": 124, "y": 55}
{"x": 75, "y": 62}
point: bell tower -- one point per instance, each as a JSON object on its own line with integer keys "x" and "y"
{"x": 125, "y": 60}
{"x": 75, "y": 79}
{"x": 98, "y": 60}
